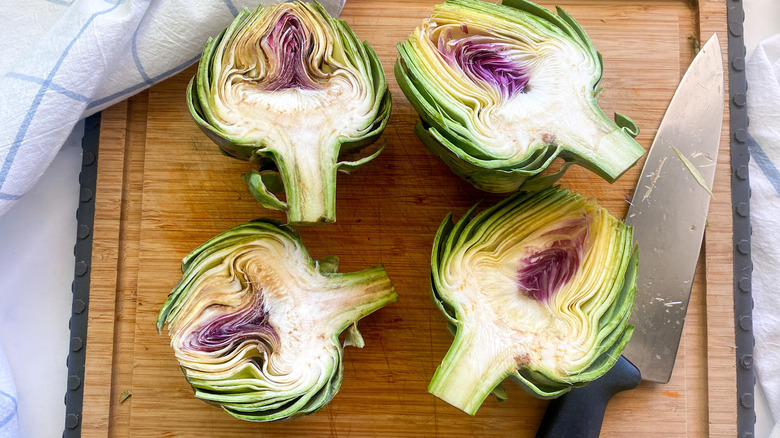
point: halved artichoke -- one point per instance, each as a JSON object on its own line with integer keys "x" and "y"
{"x": 255, "y": 322}
{"x": 291, "y": 88}
{"x": 504, "y": 90}
{"x": 538, "y": 287}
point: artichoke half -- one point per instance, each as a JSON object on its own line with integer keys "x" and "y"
{"x": 538, "y": 287}
{"x": 291, "y": 88}
{"x": 504, "y": 90}
{"x": 255, "y": 322}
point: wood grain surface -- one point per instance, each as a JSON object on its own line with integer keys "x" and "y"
{"x": 164, "y": 188}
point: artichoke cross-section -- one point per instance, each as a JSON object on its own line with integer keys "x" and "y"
{"x": 255, "y": 322}
{"x": 538, "y": 288}
{"x": 292, "y": 89}
{"x": 503, "y": 90}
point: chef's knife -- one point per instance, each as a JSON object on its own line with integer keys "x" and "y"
{"x": 668, "y": 212}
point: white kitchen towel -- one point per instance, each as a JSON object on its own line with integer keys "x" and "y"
{"x": 763, "y": 72}
{"x": 62, "y": 60}
{"x": 8, "y": 423}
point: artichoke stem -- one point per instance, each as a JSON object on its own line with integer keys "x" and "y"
{"x": 612, "y": 154}
{"x": 470, "y": 371}
{"x": 356, "y": 295}
{"x": 309, "y": 177}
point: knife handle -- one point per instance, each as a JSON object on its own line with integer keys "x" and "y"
{"x": 580, "y": 412}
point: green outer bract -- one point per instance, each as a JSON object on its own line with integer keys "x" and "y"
{"x": 547, "y": 347}
{"x": 452, "y": 124}
{"x": 305, "y": 167}
{"x": 292, "y": 365}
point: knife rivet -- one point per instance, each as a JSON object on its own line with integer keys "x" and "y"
{"x": 747, "y": 434}
{"x": 745, "y": 284}
{"x": 738, "y": 64}
{"x": 742, "y": 172}
{"x": 743, "y": 209}
{"x": 743, "y": 247}
{"x": 747, "y": 400}
{"x": 746, "y": 323}
{"x": 71, "y": 421}
{"x": 740, "y": 99}
{"x": 746, "y": 361}
{"x": 76, "y": 344}
{"x": 735, "y": 27}
{"x": 740, "y": 135}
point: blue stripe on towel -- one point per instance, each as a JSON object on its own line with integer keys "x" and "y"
{"x": 232, "y": 7}
{"x": 9, "y": 417}
{"x": 9, "y": 197}
{"x": 9, "y": 159}
{"x": 136, "y": 58}
{"x": 763, "y": 161}
{"x": 54, "y": 87}
{"x": 135, "y": 87}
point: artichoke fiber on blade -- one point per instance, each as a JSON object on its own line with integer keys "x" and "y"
{"x": 505, "y": 89}
{"x": 538, "y": 287}
{"x": 291, "y": 88}
{"x": 255, "y": 322}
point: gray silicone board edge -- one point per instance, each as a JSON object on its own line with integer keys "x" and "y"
{"x": 740, "y": 202}
{"x": 85, "y": 215}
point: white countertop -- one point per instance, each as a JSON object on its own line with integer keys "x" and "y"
{"x": 36, "y": 253}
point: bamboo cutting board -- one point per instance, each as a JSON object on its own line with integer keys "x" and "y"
{"x": 163, "y": 188}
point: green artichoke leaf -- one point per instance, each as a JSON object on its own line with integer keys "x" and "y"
{"x": 254, "y": 321}
{"x": 539, "y": 288}
{"x": 291, "y": 85}
{"x": 502, "y": 90}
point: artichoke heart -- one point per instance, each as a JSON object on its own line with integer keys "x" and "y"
{"x": 255, "y": 322}
{"x": 538, "y": 287}
{"x": 504, "y": 89}
{"x": 291, "y": 88}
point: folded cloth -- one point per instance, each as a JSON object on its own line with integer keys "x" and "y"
{"x": 8, "y": 423}
{"x": 62, "y": 60}
{"x": 763, "y": 72}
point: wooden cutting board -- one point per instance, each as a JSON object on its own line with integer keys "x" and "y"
{"x": 163, "y": 188}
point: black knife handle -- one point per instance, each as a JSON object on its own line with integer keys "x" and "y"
{"x": 580, "y": 412}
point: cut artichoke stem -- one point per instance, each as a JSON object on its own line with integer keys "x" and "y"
{"x": 471, "y": 370}
{"x": 353, "y": 297}
{"x": 309, "y": 176}
{"x": 608, "y": 157}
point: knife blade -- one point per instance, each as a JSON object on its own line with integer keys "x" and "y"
{"x": 668, "y": 212}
